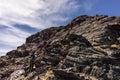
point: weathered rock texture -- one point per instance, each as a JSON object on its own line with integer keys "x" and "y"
{"x": 85, "y": 49}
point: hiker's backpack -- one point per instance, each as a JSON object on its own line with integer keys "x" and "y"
{"x": 32, "y": 56}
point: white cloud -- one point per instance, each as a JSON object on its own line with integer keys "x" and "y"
{"x": 4, "y": 50}
{"x": 36, "y": 13}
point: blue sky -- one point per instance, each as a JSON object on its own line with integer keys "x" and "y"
{"x": 21, "y": 18}
{"x": 108, "y": 7}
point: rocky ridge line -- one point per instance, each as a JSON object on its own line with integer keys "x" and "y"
{"x": 85, "y": 49}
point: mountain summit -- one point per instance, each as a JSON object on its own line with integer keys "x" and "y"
{"x": 85, "y": 49}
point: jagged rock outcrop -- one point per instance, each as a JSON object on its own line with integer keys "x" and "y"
{"x": 85, "y": 49}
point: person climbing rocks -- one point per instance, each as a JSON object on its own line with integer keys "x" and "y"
{"x": 31, "y": 63}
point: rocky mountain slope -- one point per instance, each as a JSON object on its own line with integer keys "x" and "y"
{"x": 85, "y": 49}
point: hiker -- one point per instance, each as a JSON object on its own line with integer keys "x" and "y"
{"x": 31, "y": 63}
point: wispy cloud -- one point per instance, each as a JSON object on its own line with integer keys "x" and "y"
{"x": 38, "y": 14}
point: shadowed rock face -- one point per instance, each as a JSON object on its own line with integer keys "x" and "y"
{"x": 87, "y": 48}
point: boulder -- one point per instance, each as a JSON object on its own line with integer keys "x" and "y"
{"x": 17, "y": 75}
{"x": 64, "y": 75}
